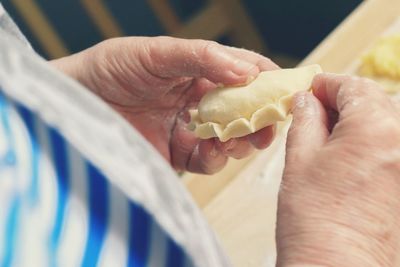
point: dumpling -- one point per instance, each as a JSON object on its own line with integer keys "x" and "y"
{"x": 238, "y": 111}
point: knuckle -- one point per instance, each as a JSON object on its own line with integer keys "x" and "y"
{"x": 376, "y": 128}
{"x": 363, "y": 95}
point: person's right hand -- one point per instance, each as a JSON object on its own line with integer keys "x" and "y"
{"x": 339, "y": 203}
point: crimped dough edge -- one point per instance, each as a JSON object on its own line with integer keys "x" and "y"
{"x": 241, "y": 127}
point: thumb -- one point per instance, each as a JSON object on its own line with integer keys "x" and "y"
{"x": 309, "y": 129}
{"x": 173, "y": 57}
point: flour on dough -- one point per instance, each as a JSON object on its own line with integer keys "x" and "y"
{"x": 238, "y": 111}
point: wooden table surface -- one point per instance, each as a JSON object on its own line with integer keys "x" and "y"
{"x": 240, "y": 202}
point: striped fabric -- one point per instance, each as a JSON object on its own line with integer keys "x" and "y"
{"x": 57, "y": 209}
{"x": 78, "y": 185}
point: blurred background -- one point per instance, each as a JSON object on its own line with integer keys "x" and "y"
{"x": 285, "y": 30}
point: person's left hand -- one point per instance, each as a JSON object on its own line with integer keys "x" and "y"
{"x": 153, "y": 81}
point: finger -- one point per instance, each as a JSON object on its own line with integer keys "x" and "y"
{"x": 199, "y": 87}
{"x": 309, "y": 123}
{"x": 262, "y": 138}
{"x": 325, "y": 86}
{"x": 263, "y": 63}
{"x": 237, "y": 148}
{"x": 347, "y": 94}
{"x": 173, "y": 57}
{"x": 182, "y": 144}
{"x": 187, "y": 153}
{"x": 206, "y": 158}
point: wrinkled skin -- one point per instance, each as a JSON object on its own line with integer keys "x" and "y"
{"x": 153, "y": 81}
{"x": 340, "y": 197}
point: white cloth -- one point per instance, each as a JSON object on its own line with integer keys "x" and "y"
{"x": 135, "y": 173}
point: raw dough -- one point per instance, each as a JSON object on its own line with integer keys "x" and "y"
{"x": 238, "y": 111}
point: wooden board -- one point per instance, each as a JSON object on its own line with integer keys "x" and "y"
{"x": 345, "y": 45}
{"x": 242, "y": 207}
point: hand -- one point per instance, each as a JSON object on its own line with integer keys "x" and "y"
{"x": 152, "y": 82}
{"x": 339, "y": 203}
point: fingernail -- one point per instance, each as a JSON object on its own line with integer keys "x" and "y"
{"x": 243, "y": 68}
{"x": 250, "y": 79}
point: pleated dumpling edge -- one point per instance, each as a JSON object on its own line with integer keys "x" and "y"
{"x": 238, "y": 111}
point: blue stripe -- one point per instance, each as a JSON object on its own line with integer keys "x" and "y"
{"x": 12, "y": 221}
{"x": 59, "y": 153}
{"x": 175, "y": 255}
{"x": 28, "y": 119}
{"x": 98, "y": 216}
{"x": 139, "y": 234}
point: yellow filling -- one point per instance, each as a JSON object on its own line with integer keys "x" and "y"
{"x": 383, "y": 59}
{"x": 382, "y": 63}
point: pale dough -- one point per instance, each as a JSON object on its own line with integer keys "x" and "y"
{"x": 238, "y": 111}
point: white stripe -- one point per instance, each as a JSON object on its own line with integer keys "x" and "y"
{"x": 38, "y": 224}
{"x": 3, "y": 139}
{"x": 158, "y": 246}
{"x": 22, "y": 149}
{"x": 114, "y": 251}
{"x": 73, "y": 239}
